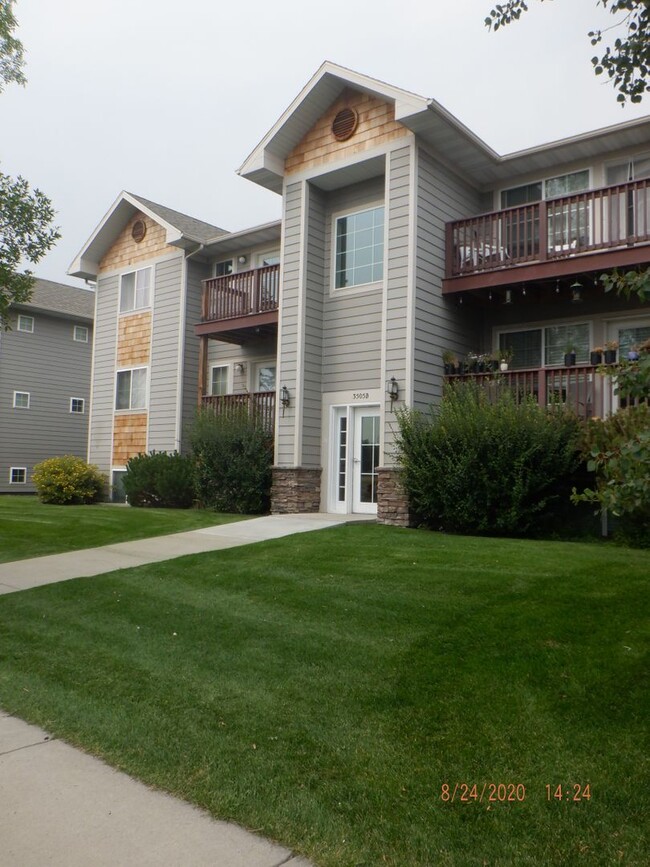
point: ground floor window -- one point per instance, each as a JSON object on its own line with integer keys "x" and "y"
{"x": 18, "y": 475}
{"x": 219, "y": 379}
{"x": 546, "y": 347}
{"x": 118, "y": 494}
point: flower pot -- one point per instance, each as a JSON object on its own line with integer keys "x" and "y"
{"x": 461, "y": 367}
{"x": 610, "y": 356}
{"x": 449, "y": 369}
{"x": 596, "y": 358}
{"x": 569, "y": 359}
{"x": 494, "y": 365}
{"x": 633, "y": 355}
{"x": 503, "y": 366}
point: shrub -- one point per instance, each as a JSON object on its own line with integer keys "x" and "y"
{"x": 482, "y": 463}
{"x": 160, "y": 480}
{"x": 618, "y": 452}
{"x": 67, "y": 480}
{"x": 233, "y": 455}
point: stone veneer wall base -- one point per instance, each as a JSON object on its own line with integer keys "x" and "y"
{"x": 392, "y": 501}
{"x": 295, "y": 489}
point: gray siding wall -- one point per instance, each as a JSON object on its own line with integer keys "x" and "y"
{"x": 103, "y": 385}
{"x": 397, "y": 313}
{"x": 315, "y": 255}
{"x": 248, "y": 354}
{"x": 351, "y": 321}
{"x": 196, "y": 272}
{"x": 288, "y": 322}
{"x": 164, "y": 373}
{"x": 52, "y": 367}
{"x": 439, "y": 323}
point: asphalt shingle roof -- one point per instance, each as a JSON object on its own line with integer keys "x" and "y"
{"x": 192, "y": 228}
{"x": 60, "y": 298}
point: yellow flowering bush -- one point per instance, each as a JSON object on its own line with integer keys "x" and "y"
{"x": 67, "y": 480}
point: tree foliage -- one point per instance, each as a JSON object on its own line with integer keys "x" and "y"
{"x": 628, "y": 283}
{"x": 626, "y": 62}
{"x": 12, "y": 57}
{"x": 26, "y": 215}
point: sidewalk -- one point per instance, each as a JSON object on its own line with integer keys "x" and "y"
{"x": 23, "y": 574}
{"x": 63, "y": 808}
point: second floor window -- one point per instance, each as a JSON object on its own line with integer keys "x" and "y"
{"x": 135, "y": 290}
{"x": 26, "y": 323}
{"x": 359, "y": 255}
{"x": 21, "y": 400}
{"x": 131, "y": 390}
{"x": 80, "y": 334}
{"x": 219, "y": 379}
{"x": 546, "y": 347}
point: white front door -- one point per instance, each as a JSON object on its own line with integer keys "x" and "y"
{"x": 354, "y": 457}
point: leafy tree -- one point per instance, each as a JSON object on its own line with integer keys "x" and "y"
{"x": 25, "y": 214}
{"x": 626, "y": 62}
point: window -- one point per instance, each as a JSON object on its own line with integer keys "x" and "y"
{"x": 17, "y": 475}
{"x": 359, "y": 255}
{"x": 537, "y": 347}
{"x": 77, "y": 404}
{"x": 26, "y": 323}
{"x": 219, "y": 379}
{"x": 265, "y": 377}
{"x": 21, "y": 400}
{"x": 80, "y": 334}
{"x": 131, "y": 391}
{"x": 135, "y": 290}
{"x": 222, "y": 269}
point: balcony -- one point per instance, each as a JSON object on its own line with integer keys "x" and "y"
{"x": 259, "y": 403}
{"x": 597, "y": 229}
{"x": 581, "y": 388}
{"x": 240, "y": 307}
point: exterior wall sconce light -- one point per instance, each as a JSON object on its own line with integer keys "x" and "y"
{"x": 240, "y": 367}
{"x": 392, "y": 389}
{"x": 242, "y": 260}
{"x": 285, "y": 398}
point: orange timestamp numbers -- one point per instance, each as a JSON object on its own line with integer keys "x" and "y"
{"x": 466, "y": 793}
{"x": 571, "y": 792}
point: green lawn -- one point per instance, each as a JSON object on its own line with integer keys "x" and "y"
{"x": 324, "y": 688}
{"x": 30, "y": 529}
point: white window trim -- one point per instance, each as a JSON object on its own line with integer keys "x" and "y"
{"x": 358, "y": 287}
{"x": 540, "y": 326}
{"x": 262, "y": 254}
{"x": 132, "y": 310}
{"x": 29, "y": 399}
{"x": 74, "y": 334}
{"x": 83, "y": 405}
{"x": 229, "y": 379}
{"x": 11, "y": 472}
{"x": 23, "y": 318}
{"x": 144, "y": 408}
{"x": 231, "y": 259}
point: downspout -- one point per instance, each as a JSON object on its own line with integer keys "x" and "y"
{"x": 181, "y": 346}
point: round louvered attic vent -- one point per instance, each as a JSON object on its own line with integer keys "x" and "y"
{"x": 345, "y": 124}
{"x": 138, "y": 231}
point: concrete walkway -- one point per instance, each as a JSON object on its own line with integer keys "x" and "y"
{"x": 23, "y": 574}
{"x": 63, "y": 808}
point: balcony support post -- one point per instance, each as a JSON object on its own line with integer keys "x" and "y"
{"x": 203, "y": 366}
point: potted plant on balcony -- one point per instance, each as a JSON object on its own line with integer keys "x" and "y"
{"x": 633, "y": 354}
{"x": 610, "y": 351}
{"x": 450, "y": 362}
{"x": 505, "y": 356}
{"x": 570, "y": 355}
{"x": 472, "y": 362}
{"x": 596, "y": 356}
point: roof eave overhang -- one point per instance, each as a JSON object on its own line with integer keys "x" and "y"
{"x": 86, "y": 263}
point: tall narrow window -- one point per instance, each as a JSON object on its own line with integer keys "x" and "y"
{"x": 219, "y": 384}
{"x": 135, "y": 290}
{"x": 359, "y": 248}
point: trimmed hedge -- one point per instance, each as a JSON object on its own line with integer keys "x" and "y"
{"x": 67, "y": 480}
{"x": 233, "y": 456}
{"x": 482, "y": 463}
{"x": 159, "y": 479}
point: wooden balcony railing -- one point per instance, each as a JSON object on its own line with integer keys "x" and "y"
{"x": 596, "y": 220}
{"x": 242, "y": 294}
{"x": 259, "y": 403}
{"x": 581, "y": 388}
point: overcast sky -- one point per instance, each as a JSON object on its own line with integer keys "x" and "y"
{"x": 166, "y": 98}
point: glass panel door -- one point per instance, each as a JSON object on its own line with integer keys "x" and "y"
{"x": 366, "y": 459}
